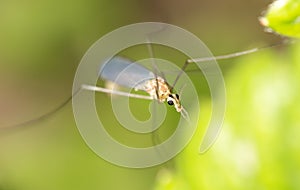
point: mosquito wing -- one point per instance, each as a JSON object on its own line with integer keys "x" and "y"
{"x": 125, "y": 72}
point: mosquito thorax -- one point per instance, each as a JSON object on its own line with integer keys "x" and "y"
{"x": 163, "y": 92}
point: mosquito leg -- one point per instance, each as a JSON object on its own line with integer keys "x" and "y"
{"x": 155, "y": 136}
{"x": 109, "y": 91}
{"x": 31, "y": 122}
{"x": 236, "y": 54}
{"x": 180, "y": 73}
{"x": 227, "y": 56}
{"x": 154, "y": 65}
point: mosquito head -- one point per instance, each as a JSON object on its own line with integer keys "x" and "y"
{"x": 173, "y": 99}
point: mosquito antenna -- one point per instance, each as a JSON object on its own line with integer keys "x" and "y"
{"x": 226, "y": 56}
{"x": 42, "y": 117}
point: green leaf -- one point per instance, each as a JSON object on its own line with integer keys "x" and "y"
{"x": 283, "y": 17}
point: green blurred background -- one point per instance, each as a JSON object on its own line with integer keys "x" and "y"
{"x": 41, "y": 44}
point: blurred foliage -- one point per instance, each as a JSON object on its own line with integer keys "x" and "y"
{"x": 43, "y": 42}
{"x": 258, "y": 147}
{"x": 283, "y": 17}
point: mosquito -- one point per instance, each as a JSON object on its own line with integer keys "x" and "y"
{"x": 156, "y": 86}
{"x": 130, "y": 74}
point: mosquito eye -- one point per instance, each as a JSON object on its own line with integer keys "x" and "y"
{"x": 177, "y": 96}
{"x": 170, "y": 102}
